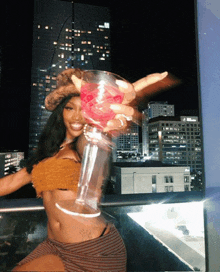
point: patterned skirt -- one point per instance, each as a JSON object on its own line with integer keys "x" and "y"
{"x": 103, "y": 254}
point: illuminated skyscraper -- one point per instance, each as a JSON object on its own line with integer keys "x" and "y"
{"x": 153, "y": 110}
{"x": 176, "y": 141}
{"x": 128, "y": 142}
{"x": 65, "y": 35}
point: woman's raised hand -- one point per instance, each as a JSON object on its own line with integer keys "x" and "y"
{"x": 123, "y": 111}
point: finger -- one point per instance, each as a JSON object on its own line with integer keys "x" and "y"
{"x": 148, "y": 80}
{"x": 119, "y": 123}
{"x": 122, "y": 109}
{"x": 124, "y": 86}
{"x": 77, "y": 82}
{"x": 127, "y": 89}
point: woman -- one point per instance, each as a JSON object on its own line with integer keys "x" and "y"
{"x": 73, "y": 243}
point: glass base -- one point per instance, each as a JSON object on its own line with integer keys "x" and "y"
{"x": 77, "y": 209}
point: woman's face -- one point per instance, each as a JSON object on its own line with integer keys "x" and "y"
{"x": 73, "y": 118}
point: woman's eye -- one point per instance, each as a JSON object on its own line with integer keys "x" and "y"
{"x": 68, "y": 108}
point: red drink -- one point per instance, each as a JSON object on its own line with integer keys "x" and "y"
{"x": 96, "y": 100}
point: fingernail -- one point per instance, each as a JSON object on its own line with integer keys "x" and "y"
{"x": 164, "y": 74}
{"x": 110, "y": 123}
{"x": 122, "y": 84}
{"x": 115, "y": 107}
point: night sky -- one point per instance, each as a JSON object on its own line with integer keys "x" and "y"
{"x": 146, "y": 38}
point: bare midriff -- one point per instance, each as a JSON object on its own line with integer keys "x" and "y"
{"x": 67, "y": 228}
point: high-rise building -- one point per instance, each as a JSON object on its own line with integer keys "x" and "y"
{"x": 156, "y": 109}
{"x": 129, "y": 141}
{"x": 153, "y": 110}
{"x": 176, "y": 141}
{"x": 65, "y": 35}
{"x": 10, "y": 161}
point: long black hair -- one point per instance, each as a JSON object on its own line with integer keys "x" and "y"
{"x": 52, "y": 135}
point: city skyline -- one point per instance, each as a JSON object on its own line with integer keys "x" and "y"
{"x": 141, "y": 44}
{"x": 73, "y": 41}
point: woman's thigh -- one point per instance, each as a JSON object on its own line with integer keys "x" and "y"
{"x": 43, "y": 263}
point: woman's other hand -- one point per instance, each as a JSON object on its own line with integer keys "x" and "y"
{"x": 124, "y": 112}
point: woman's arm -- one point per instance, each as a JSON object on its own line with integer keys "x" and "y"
{"x": 13, "y": 182}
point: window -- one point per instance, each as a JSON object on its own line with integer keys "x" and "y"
{"x": 186, "y": 179}
{"x": 168, "y": 179}
{"x": 154, "y": 179}
{"x": 154, "y": 188}
{"x": 168, "y": 188}
{"x": 186, "y": 187}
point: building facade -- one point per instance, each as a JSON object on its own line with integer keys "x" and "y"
{"x": 10, "y": 161}
{"x": 138, "y": 179}
{"x": 154, "y": 109}
{"x": 176, "y": 142}
{"x": 128, "y": 142}
{"x": 64, "y": 36}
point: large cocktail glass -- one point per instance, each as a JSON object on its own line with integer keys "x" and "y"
{"x": 99, "y": 89}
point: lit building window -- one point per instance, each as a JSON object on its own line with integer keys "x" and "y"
{"x": 107, "y": 25}
{"x": 55, "y": 43}
{"x": 46, "y": 27}
{"x": 38, "y": 26}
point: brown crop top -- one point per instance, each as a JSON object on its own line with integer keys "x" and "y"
{"x": 53, "y": 173}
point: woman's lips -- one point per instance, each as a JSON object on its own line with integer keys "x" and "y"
{"x": 76, "y": 126}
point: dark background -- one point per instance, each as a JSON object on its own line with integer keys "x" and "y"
{"x": 147, "y": 37}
